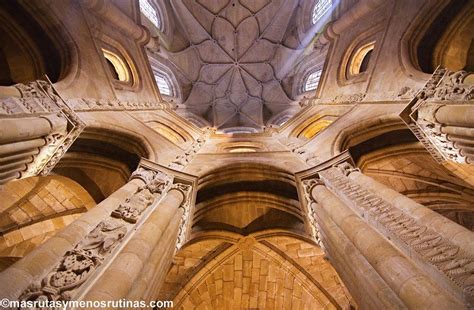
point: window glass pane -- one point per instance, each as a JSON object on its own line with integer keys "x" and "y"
{"x": 150, "y": 13}
{"x": 312, "y": 81}
{"x": 163, "y": 85}
{"x": 320, "y": 8}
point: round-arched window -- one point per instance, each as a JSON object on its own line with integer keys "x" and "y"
{"x": 360, "y": 60}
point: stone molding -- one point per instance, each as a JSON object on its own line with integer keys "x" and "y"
{"x": 80, "y": 263}
{"x": 444, "y": 88}
{"x": 186, "y": 205}
{"x": 93, "y": 104}
{"x": 308, "y": 186}
{"x": 352, "y": 98}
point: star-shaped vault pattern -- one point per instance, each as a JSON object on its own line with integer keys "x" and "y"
{"x": 235, "y": 59}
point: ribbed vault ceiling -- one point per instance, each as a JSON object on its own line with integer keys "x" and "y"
{"x": 235, "y": 60}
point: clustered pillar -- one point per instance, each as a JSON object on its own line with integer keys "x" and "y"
{"x": 389, "y": 250}
{"x": 119, "y": 249}
{"x": 123, "y": 273}
{"x": 21, "y": 140}
{"x": 36, "y": 129}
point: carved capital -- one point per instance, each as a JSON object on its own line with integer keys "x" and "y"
{"x": 309, "y": 184}
{"x": 156, "y": 183}
{"x": 144, "y": 174}
{"x": 347, "y": 168}
{"x": 153, "y": 179}
{"x": 186, "y": 190}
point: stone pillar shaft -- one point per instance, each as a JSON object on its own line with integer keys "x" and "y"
{"x": 456, "y": 115}
{"x": 411, "y": 285}
{"x": 28, "y": 128}
{"x": 117, "y": 280}
{"x": 148, "y": 283}
{"x": 365, "y": 284}
{"x": 36, "y": 265}
{"x": 23, "y": 138}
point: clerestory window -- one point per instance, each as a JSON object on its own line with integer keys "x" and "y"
{"x": 149, "y": 11}
{"x": 320, "y": 9}
{"x": 312, "y": 81}
{"x": 163, "y": 84}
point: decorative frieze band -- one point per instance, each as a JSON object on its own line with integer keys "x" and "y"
{"x": 91, "y": 104}
{"x": 431, "y": 247}
{"x": 36, "y": 99}
{"x": 80, "y": 263}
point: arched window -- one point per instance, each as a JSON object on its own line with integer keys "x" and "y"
{"x": 312, "y": 81}
{"x": 320, "y": 8}
{"x": 360, "y": 60}
{"x": 150, "y": 12}
{"x": 118, "y": 67}
{"x": 164, "y": 84}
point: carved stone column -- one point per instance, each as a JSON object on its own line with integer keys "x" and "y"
{"x": 414, "y": 255}
{"x": 58, "y": 268}
{"x": 36, "y": 129}
{"x": 441, "y": 117}
{"x": 128, "y": 268}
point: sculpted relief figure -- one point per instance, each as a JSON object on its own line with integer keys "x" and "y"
{"x": 134, "y": 206}
{"x": 77, "y": 264}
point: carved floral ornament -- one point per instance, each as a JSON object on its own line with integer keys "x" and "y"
{"x": 432, "y": 248}
{"x": 80, "y": 263}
